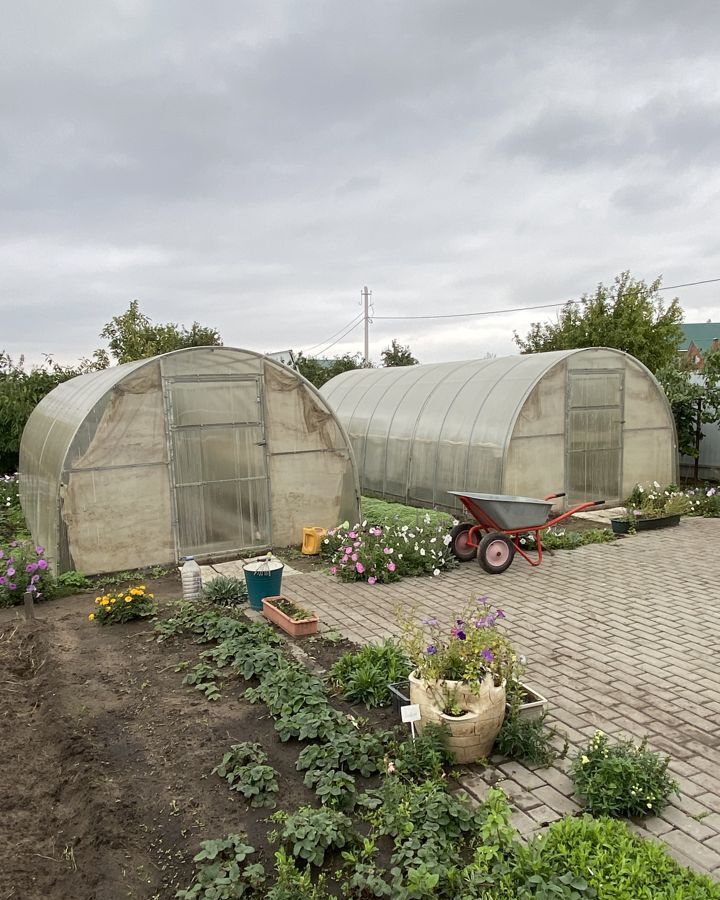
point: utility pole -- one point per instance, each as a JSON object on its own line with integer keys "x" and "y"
{"x": 365, "y": 294}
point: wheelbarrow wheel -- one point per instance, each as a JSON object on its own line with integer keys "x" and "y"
{"x": 495, "y": 553}
{"x": 459, "y": 545}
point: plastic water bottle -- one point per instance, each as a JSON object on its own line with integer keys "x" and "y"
{"x": 191, "y": 579}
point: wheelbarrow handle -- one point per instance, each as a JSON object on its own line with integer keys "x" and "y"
{"x": 598, "y": 502}
{"x": 553, "y": 496}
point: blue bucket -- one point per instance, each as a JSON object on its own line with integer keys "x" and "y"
{"x": 263, "y": 579}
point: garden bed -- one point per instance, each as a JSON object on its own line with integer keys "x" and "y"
{"x": 121, "y": 757}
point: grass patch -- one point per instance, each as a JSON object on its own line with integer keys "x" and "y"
{"x": 383, "y": 512}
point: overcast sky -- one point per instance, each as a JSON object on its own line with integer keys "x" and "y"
{"x": 253, "y": 165}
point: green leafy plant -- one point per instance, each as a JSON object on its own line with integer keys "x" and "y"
{"x": 616, "y": 863}
{"x": 73, "y": 582}
{"x": 652, "y": 501}
{"x": 622, "y": 779}
{"x": 133, "y": 603}
{"x": 348, "y": 751}
{"x": 309, "y": 833}
{"x": 362, "y": 878}
{"x": 336, "y": 789}
{"x": 221, "y": 874}
{"x": 293, "y": 883}
{"x": 245, "y": 769}
{"x": 363, "y": 676}
{"x": 426, "y": 757}
{"x": 203, "y": 678}
{"x": 225, "y": 590}
{"x": 528, "y": 740}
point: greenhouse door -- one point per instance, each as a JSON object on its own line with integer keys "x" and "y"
{"x": 219, "y": 469}
{"x": 594, "y": 435}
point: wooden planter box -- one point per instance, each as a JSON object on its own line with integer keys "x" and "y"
{"x": 622, "y": 526}
{"x": 294, "y": 627}
{"x": 534, "y": 705}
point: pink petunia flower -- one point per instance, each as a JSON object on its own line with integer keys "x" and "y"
{"x": 372, "y": 579}
{"x": 333, "y": 571}
{"x": 391, "y": 566}
{"x": 359, "y": 568}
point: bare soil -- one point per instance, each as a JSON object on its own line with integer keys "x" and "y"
{"x": 106, "y": 757}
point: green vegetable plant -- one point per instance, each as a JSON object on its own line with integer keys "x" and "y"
{"x": 361, "y": 877}
{"x": 622, "y": 779}
{"x": 528, "y": 740}
{"x": 349, "y": 751}
{"x": 309, "y": 833}
{"x": 292, "y": 883}
{"x": 425, "y": 758}
{"x": 221, "y": 873}
{"x": 225, "y": 590}
{"x": 291, "y": 609}
{"x": 203, "y": 678}
{"x": 363, "y": 677}
{"x": 335, "y": 789}
{"x": 245, "y": 769}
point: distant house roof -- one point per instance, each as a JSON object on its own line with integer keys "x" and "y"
{"x": 702, "y": 334}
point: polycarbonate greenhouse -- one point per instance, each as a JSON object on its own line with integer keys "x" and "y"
{"x": 589, "y": 422}
{"x": 207, "y": 451}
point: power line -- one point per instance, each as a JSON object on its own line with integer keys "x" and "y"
{"x": 498, "y": 312}
{"x": 355, "y": 320}
{"x": 337, "y": 341}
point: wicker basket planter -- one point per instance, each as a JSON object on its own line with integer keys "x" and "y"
{"x": 473, "y": 734}
{"x": 294, "y": 627}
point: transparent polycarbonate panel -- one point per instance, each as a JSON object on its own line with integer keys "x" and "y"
{"x": 645, "y": 403}
{"x": 535, "y": 466}
{"x": 215, "y": 401}
{"x": 594, "y": 429}
{"x": 211, "y": 361}
{"x": 543, "y": 411}
{"x": 649, "y": 455}
{"x": 594, "y": 445}
{"x": 602, "y": 389}
{"x": 223, "y": 517}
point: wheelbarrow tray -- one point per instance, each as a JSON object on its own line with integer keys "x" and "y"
{"x": 510, "y": 513}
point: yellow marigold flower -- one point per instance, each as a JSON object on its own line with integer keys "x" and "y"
{"x": 104, "y": 602}
{"x": 97, "y": 599}
{"x": 128, "y": 599}
{"x": 151, "y": 595}
{"x": 142, "y": 587}
{"x": 91, "y": 616}
{"x": 113, "y": 601}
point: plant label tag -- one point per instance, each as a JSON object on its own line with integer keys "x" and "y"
{"x": 410, "y": 713}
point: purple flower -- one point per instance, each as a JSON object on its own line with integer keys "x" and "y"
{"x": 352, "y": 535}
{"x": 12, "y": 586}
{"x": 39, "y": 550}
{"x": 501, "y": 614}
{"x": 2, "y": 580}
{"x": 459, "y": 623}
{"x": 10, "y": 572}
{"x": 42, "y": 564}
{"x": 30, "y": 567}
{"x": 431, "y": 649}
{"x": 458, "y": 633}
{"x": 35, "y": 579}
{"x": 482, "y": 600}
{"x": 13, "y": 543}
{"x": 431, "y": 621}
{"x": 487, "y": 655}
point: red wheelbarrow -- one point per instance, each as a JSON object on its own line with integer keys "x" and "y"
{"x": 501, "y": 524}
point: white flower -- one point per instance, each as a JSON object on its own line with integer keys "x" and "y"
{"x": 447, "y": 539}
{"x": 436, "y": 571}
{"x": 422, "y": 551}
{"x": 426, "y": 519}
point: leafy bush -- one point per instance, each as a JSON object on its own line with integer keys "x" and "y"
{"x": 385, "y": 553}
{"x": 652, "y": 501}
{"x": 352, "y": 751}
{"x": 558, "y": 538}
{"x": 24, "y": 568}
{"x": 292, "y": 883}
{"x": 225, "y": 590}
{"x": 704, "y": 501}
{"x": 309, "y": 833}
{"x": 527, "y": 740}
{"x": 425, "y": 758}
{"x": 336, "y": 789}
{"x": 622, "y": 779}
{"x": 363, "y": 677}
{"x": 12, "y": 520}
{"x": 134, "y": 603}
{"x": 73, "y": 582}
{"x": 220, "y": 876}
{"x": 245, "y": 769}
{"x": 616, "y": 863}
{"x": 384, "y": 512}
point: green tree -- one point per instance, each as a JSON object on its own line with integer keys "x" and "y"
{"x": 629, "y": 315}
{"x": 22, "y": 389}
{"x": 133, "y": 335}
{"x": 694, "y": 396}
{"x": 318, "y": 371}
{"x": 397, "y": 355}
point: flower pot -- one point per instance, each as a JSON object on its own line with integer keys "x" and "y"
{"x": 294, "y": 627}
{"x": 622, "y": 526}
{"x": 471, "y": 735}
{"x": 534, "y": 705}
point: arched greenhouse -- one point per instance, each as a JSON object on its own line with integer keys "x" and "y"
{"x": 589, "y": 422}
{"x": 206, "y": 451}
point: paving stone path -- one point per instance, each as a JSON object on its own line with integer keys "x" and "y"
{"x": 622, "y": 637}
